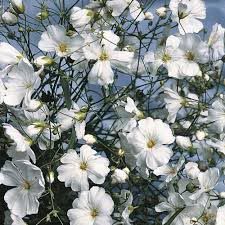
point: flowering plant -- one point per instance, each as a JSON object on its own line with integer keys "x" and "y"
{"x": 111, "y": 113}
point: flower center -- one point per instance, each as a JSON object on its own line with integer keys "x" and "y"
{"x": 94, "y": 213}
{"x": 63, "y": 47}
{"x": 151, "y": 143}
{"x": 190, "y": 56}
{"x": 166, "y": 57}
{"x": 83, "y": 166}
{"x": 104, "y": 56}
{"x": 26, "y": 185}
{"x": 90, "y": 13}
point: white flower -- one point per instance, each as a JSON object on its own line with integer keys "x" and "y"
{"x": 207, "y": 181}
{"x": 18, "y": 6}
{"x": 195, "y": 52}
{"x": 55, "y": 40}
{"x": 92, "y": 207}
{"x": 120, "y": 176}
{"x": 128, "y": 113}
{"x": 125, "y": 207}
{"x": 220, "y": 217}
{"x": 217, "y": 115}
{"x": 149, "y": 143}
{"x": 167, "y": 56}
{"x": 183, "y": 142}
{"x": 21, "y": 144}
{"x": 118, "y": 7}
{"x": 217, "y": 144}
{"x": 20, "y": 82}
{"x": 9, "y": 18}
{"x": 107, "y": 57}
{"x": 177, "y": 203}
{"x": 187, "y": 14}
{"x": 80, "y": 17}
{"x": 216, "y": 42}
{"x": 75, "y": 116}
{"x": 9, "y": 55}
{"x": 173, "y": 103}
{"x": 86, "y": 165}
{"x": 29, "y": 185}
{"x": 169, "y": 171}
{"x": 192, "y": 170}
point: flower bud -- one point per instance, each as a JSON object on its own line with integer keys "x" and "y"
{"x": 90, "y": 139}
{"x": 50, "y": 177}
{"x": 149, "y": 16}
{"x": 42, "y": 15}
{"x": 161, "y": 12}
{"x": 183, "y": 142}
{"x": 200, "y": 135}
{"x": 9, "y": 18}
{"x": 18, "y": 6}
{"x": 192, "y": 170}
{"x": 43, "y": 61}
{"x": 222, "y": 194}
{"x": 120, "y": 176}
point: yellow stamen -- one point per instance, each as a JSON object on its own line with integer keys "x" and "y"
{"x": 83, "y": 166}
{"x": 63, "y": 47}
{"x": 151, "y": 143}
{"x": 104, "y": 56}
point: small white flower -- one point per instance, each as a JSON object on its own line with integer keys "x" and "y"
{"x": 87, "y": 165}
{"x": 21, "y": 144}
{"x": 92, "y": 207}
{"x": 195, "y": 52}
{"x": 29, "y": 185}
{"x": 107, "y": 57}
{"x": 55, "y": 40}
{"x": 187, "y": 14}
{"x": 18, "y": 6}
{"x": 169, "y": 171}
{"x": 21, "y": 81}
{"x": 207, "y": 181}
{"x": 118, "y": 7}
{"x": 75, "y": 116}
{"x": 217, "y": 144}
{"x": 149, "y": 143}
{"x": 9, "y": 55}
{"x": 80, "y": 17}
{"x": 216, "y": 42}
{"x": 217, "y": 115}
{"x": 168, "y": 56}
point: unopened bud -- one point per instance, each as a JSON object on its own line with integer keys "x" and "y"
{"x": 149, "y": 16}
{"x": 43, "y": 61}
{"x": 18, "y": 6}
{"x": 9, "y": 18}
{"x": 161, "y": 12}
